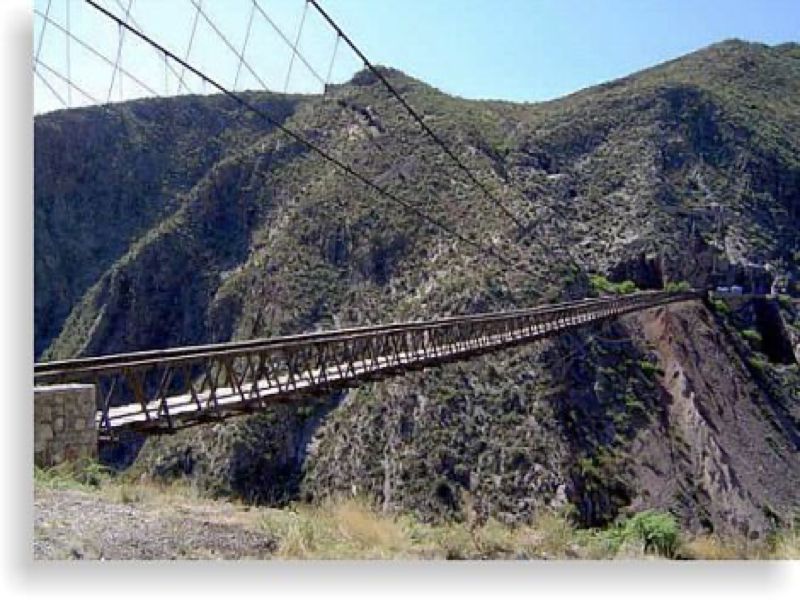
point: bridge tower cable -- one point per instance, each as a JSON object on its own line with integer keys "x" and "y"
{"x": 228, "y": 43}
{"x": 294, "y": 47}
{"x": 410, "y": 208}
{"x": 89, "y": 48}
{"x": 296, "y": 53}
{"x": 189, "y": 46}
{"x": 415, "y": 115}
{"x": 47, "y": 84}
{"x": 244, "y": 45}
{"x": 43, "y": 30}
{"x": 135, "y": 23}
{"x": 41, "y": 77}
{"x": 333, "y": 59}
{"x": 68, "y": 82}
{"x": 67, "y": 51}
{"x": 36, "y": 71}
{"x": 324, "y": 82}
{"x": 288, "y": 42}
{"x": 119, "y": 55}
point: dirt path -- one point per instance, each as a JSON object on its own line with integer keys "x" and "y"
{"x": 71, "y": 524}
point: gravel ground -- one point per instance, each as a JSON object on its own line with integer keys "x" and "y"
{"x": 71, "y": 524}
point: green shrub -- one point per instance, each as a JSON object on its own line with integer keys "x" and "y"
{"x": 650, "y": 369}
{"x": 632, "y": 403}
{"x": 753, "y": 337}
{"x": 720, "y": 306}
{"x": 601, "y": 284}
{"x": 785, "y": 301}
{"x": 758, "y": 363}
{"x": 677, "y": 286}
{"x": 79, "y": 474}
{"x": 657, "y": 532}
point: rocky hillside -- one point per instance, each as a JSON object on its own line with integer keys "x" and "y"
{"x": 208, "y": 226}
{"x": 103, "y": 178}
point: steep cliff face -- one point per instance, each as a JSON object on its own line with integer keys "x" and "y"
{"x": 681, "y": 172}
{"x": 731, "y": 452}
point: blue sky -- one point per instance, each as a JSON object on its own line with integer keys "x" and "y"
{"x": 522, "y": 50}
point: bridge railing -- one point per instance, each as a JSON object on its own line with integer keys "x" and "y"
{"x": 169, "y": 388}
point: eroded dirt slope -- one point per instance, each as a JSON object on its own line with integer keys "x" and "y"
{"x": 724, "y": 458}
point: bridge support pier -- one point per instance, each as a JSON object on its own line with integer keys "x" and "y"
{"x": 63, "y": 423}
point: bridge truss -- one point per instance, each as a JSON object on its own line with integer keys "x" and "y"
{"x": 165, "y": 390}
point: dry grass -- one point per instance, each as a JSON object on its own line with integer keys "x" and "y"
{"x": 148, "y": 491}
{"x": 787, "y": 545}
{"x": 352, "y": 528}
{"x": 784, "y": 545}
{"x": 715, "y": 548}
{"x": 361, "y": 526}
{"x": 345, "y": 529}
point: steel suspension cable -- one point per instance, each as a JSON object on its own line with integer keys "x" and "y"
{"x": 420, "y": 121}
{"x": 294, "y": 47}
{"x": 278, "y": 30}
{"x": 410, "y": 208}
{"x": 166, "y": 75}
{"x": 39, "y": 50}
{"x": 119, "y": 55}
{"x": 333, "y": 58}
{"x": 98, "y": 54}
{"x": 189, "y": 47}
{"x": 131, "y": 19}
{"x": 69, "y": 82}
{"x": 296, "y": 53}
{"x": 229, "y": 45}
{"x": 69, "y": 62}
{"x": 44, "y": 28}
{"x": 244, "y": 45}
{"x": 299, "y": 55}
{"x": 49, "y": 86}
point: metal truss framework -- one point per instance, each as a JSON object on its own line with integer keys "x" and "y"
{"x": 165, "y": 390}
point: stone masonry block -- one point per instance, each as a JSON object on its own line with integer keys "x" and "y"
{"x": 57, "y": 455}
{"x": 43, "y": 414}
{"x": 45, "y": 432}
{"x": 64, "y": 423}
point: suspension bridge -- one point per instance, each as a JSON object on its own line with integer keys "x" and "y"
{"x": 164, "y": 390}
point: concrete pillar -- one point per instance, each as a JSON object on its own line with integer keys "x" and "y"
{"x": 64, "y": 423}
